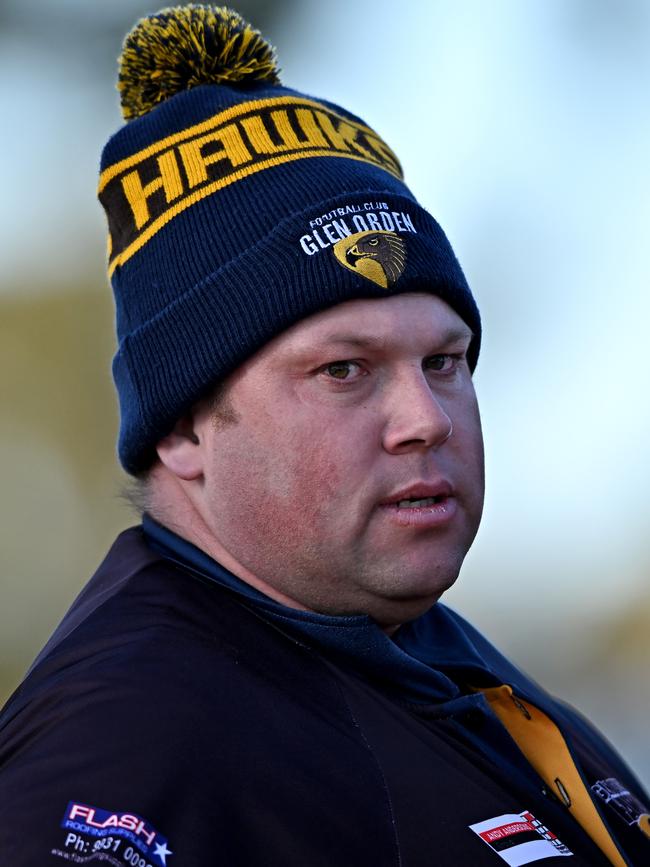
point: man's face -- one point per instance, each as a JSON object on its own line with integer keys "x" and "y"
{"x": 339, "y": 484}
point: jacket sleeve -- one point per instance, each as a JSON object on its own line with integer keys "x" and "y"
{"x": 98, "y": 765}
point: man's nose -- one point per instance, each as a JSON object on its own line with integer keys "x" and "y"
{"x": 415, "y": 417}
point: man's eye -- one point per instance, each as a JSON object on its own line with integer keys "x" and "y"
{"x": 341, "y": 369}
{"x": 440, "y": 362}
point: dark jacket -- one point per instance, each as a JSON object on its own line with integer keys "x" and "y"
{"x": 167, "y": 722}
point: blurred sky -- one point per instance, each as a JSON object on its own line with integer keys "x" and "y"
{"x": 523, "y": 126}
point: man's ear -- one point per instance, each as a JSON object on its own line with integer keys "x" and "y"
{"x": 180, "y": 451}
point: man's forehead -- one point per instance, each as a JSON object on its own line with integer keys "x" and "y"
{"x": 375, "y": 322}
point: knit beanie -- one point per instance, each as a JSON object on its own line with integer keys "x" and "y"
{"x": 236, "y": 207}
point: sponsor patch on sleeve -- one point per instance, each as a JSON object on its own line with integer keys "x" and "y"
{"x": 116, "y": 838}
{"x": 519, "y": 838}
{"x": 623, "y": 803}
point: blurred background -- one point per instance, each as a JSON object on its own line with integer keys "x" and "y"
{"x": 524, "y": 127}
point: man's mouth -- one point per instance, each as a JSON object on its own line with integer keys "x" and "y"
{"x": 422, "y": 512}
{"x": 420, "y": 495}
{"x": 419, "y": 503}
{"x": 422, "y": 504}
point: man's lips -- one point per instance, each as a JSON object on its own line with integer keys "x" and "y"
{"x": 439, "y": 490}
{"x": 423, "y": 504}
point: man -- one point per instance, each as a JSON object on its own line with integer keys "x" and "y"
{"x": 261, "y": 673}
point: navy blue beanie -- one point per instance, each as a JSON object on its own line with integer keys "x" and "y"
{"x": 237, "y": 207}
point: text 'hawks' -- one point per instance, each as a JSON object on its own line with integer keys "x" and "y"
{"x": 143, "y": 192}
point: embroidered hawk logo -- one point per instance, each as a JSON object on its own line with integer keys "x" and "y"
{"x": 377, "y": 255}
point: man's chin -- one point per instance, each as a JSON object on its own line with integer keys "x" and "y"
{"x": 390, "y": 613}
